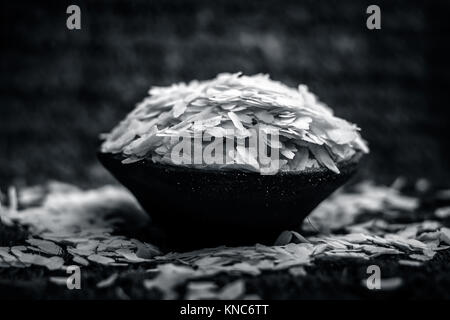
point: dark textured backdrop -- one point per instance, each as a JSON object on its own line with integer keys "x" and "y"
{"x": 61, "y": 88}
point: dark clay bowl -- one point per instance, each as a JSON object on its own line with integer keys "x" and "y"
{"x": 200, "y": 208}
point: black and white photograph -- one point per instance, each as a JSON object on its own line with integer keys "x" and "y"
{"x": 214, "y": 152}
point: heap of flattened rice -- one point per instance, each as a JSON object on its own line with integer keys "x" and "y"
{"x": 234, "y": 108}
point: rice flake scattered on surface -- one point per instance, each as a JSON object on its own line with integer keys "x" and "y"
{"x": 77, "y": 229}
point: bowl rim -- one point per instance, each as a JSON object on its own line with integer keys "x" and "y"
{"x": 118, "y": 157}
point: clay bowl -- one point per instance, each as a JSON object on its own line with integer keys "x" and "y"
{"x": 200, "y": 208}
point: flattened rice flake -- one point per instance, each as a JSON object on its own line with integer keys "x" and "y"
{"x": 310, "y": 136}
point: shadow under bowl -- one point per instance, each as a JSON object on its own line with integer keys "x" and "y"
{"x": 198, "y": 208}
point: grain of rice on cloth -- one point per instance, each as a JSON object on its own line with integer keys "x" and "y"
{"x": 310, "y": 136}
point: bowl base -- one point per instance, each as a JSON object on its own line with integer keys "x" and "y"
{"x": 200, "y": 208}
